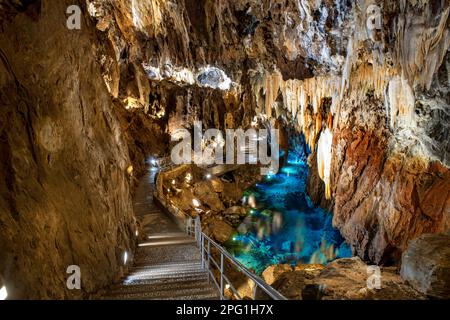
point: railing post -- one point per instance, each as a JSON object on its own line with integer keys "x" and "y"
{"x": 202, "y": 250}
{"x": 209, "y": 255}
{"x": 254, "y": 290}
{"x": 221, "y": 277}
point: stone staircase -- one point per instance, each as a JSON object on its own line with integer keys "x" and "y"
{"x": 167, "y": 263}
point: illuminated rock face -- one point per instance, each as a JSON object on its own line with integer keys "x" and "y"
{"x": 65, "y": 196}
{"x": 373, "y": 106}
{"x": 425, "y": 265}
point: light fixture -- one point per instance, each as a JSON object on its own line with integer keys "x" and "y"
{"x": 227, "y": 286}
{"x": 130, "y": 170}
{"x": 137, "y": 233}
{"x": 254, "y": 122}
{"x": 196, "y": 203}
{"x": 125, "y": 257}
{"x": 3, "y": 293}
{"x": 173, "y": 182}
{"x": 208, "y": 176}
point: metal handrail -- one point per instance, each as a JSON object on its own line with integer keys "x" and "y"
{"x": 193, "y": 228}
{"x": 271, "y": 292}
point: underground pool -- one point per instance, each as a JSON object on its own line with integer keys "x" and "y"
{"x": 284, "y": 226}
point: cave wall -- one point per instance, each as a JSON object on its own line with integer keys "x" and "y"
{"x": 65, "y": 196}
{"x": 372, "y": 103}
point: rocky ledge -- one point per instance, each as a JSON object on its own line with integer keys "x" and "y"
{"x": 342, "y": 279}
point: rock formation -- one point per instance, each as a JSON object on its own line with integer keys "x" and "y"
{"x": 365, "y": 82}
{"x": 65, "y": 196}
{"x": 342, "y": 279}
{"x": 425, "y": 265}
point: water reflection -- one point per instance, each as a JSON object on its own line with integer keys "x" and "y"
{"x": 283, "y": 225}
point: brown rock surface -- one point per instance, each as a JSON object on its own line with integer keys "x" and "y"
{"x": 398, "y": 197}
{"x": 426, "y": 265}
{"x": 221, "y": 230}
{"x": 65, "y": 196}
{"x": 205, "y": 193}
{"x": 271, "y": 273}
{"x": 342, "y": 279}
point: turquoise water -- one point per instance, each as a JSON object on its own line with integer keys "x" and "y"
{"x": 285, "y": 226}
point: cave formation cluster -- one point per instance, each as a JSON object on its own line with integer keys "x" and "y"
{"x": 366, "y": 82}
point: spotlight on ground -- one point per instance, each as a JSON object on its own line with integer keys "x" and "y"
{"x": 3, "y": 293}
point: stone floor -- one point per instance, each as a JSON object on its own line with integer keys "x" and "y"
{"x": 167, "y": 262}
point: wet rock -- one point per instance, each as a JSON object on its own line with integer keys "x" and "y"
{"x": 221, "y": 230}
{"x": 342, "y": 279}
{"x": 184, "y": 202}
{"x": 313, "y": 292}
{"x": 231, "y": 194}
{"x": 217, "y": 185}
{"x": 311, "y": 270}
{"x": 66, "y": 157}
{"x": 348, "y": 279}
{"x": 426, "y": 265}
{"x": 272, "y": 273}
{"x": 236, "y": 211}
{"x": 205, "y": 193}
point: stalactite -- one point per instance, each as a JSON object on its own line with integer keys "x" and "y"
{"x": 324, "y": 159}
{"x": 272, "y": 87}
{"x": 421, "y": 47}
{"x": 400, "y": 104}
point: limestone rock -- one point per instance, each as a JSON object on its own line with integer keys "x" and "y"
{"x": 271, "y": 273}
{"x": 184, "y": 202}
{"x": 231, "y": 194}
{"x": 342, "y": 279}
{"x": 390, "y": 191}
{"x": 206, "y": 194}
{"x": 65, "y": 190}
{"x": 221, "y": 230}
{"x": 236, "y": 210}
{"x": 426, "y": 265}
{"x": 217, "y": 185}
{"x": 348, "y": 279}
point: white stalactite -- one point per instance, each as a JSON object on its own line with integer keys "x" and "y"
{"x": 324, "y": 159}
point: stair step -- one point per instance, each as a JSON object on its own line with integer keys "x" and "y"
{"x": 168, "y": 267}
{"x": 167, "y": 235}
{"x": 194, "y": 292}
{"x": 169, "y": 242}
{"x": 142, "y": 278}
{"x": 199, "y": 276}
{"x": 180, "y": 284}
{"x": 167, "y": 264}
{"x": 161, "y": 273}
